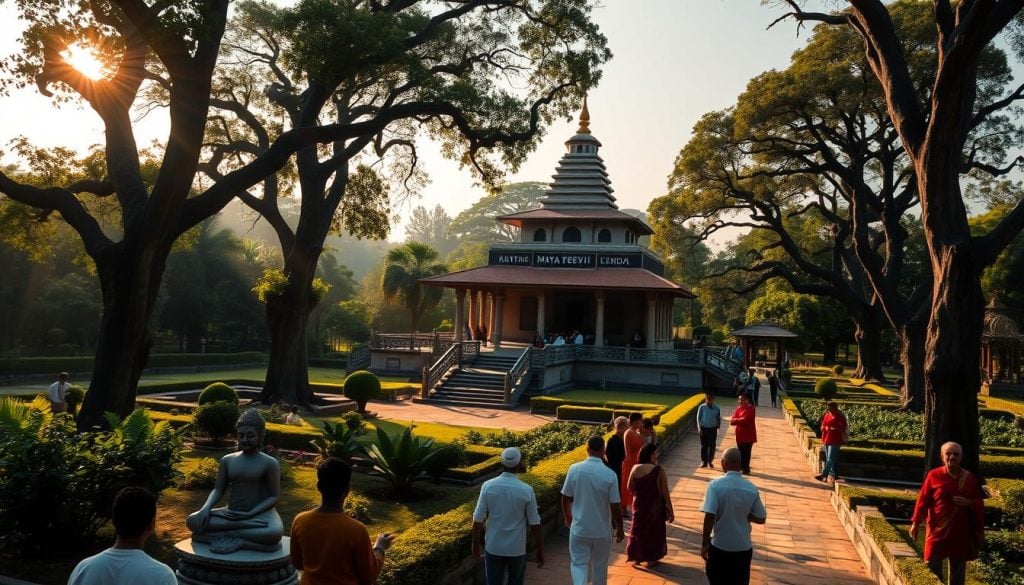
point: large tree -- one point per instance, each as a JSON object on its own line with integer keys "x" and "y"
{"x": 477, "y": 223}
{"x": 430, "y": 226}
{"x": 400, "y": 71}
{"x": 935, "y": 132}
{"x": 403, "y": 269}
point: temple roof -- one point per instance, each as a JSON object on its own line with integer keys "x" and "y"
{"x": 998, "y": 322}
{"x": 526, "y": 276}
{"x": 580, "y": 179}
{"x": 764, "y": 329}
{"x": 517, "y": 219}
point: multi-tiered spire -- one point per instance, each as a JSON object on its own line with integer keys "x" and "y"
{"x": 580, "y": 179}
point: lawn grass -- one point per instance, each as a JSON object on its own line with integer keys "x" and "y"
{"x": 440, "y": 432}
{"x": 623, "y": 396}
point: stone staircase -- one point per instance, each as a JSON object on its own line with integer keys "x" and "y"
{"x": 480, "y": 384}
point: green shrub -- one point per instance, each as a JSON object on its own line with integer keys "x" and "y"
{"x": 338, "y": 440}
{"x": 539, "y": 443}
{"x": 57, "y": 486}
{"x": 1013, "y": 501}
{"x": 448, "y": 457}
{"x": 358, "y": 507}
{"x": 401, "y": 459}
{"x": 481, "y": 461}
{"x": 202, "y": 476}
{"x": 216, "y": 419}
{"x": 826, "y": 388}
{"x": 545, "y": 404}
{"x": 218, "y": 392}
{"x": 594, "y": 414}
{"x": 74, "y": 397}
{"x": 353, "y": 420}
{"x": 362, "y": 386}
{"x": 837, "y": 370}
{"x": 1008, "y": 544}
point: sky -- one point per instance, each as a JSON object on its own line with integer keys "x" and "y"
{"x": 674, "y": 60}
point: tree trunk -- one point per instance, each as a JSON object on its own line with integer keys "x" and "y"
{"x": 829, "y": 351}
{"x": 952, "y": 365}
{"x": 288, "y": 319}
{"x": 129, "y": 286}
{"x": 868, "y": 335}
{"x": 912, "y": 354}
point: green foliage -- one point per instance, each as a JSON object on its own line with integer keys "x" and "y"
{"x": 785, "y": 374}
{"x": 837, "y": 370}
{"x": 826, "y": 388}
{"x": 477, "y": 225}
{"x": 74, "y": 397}
{"x": 448, "y": 457}
{"x": 57, "y": 486}
{"x": 202, "y": 476}
{"x": 353, "y": 420}
{"x": 404, "y": 267}
{"x": 272, "y": 284}
{"x": 218, "y": 392}
{"x": 362, "y": 386}
{"x": 993, "y": 570}
{"x": 216, "y": 419}
{"x": 1013, "y": 502}
{"x": 1007, "y": 544}
{"x": 538, "y": 443}
{"x": 338, "y": 440}
{"x": 358, "y": 508}
{"x": 401, "y": 460}
{"x": 350, "y": 320}
{"x": 594, "y": 414}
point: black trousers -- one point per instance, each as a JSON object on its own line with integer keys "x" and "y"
{"x": 728, "y": 568}
{"x": 708, "y": 438}
{"x": 745, "y": 455}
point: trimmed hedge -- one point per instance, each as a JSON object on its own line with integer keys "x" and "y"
{"x": 488, "y": 461}
{"x": 594, "y": 414}
{"x": 52, "y": 365}
{"x": 550, "y": 404}
{"x": 287, "y": 437}
{"x": 427, "y": 552}
{"x": 165, "y": 387}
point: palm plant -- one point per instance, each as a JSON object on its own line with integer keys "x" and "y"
{"x": 402, "y": 459}
{"x": 403, "y": 269}
{"x": 338, "y": 440}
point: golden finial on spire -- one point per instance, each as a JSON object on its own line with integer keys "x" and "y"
{"x": 584, "y": 119}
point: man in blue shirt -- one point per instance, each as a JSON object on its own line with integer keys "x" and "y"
{"x": 709, "y": 420}
{"x": 730, "y": 504}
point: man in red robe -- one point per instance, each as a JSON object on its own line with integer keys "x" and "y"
{"x": 951, "y": 505}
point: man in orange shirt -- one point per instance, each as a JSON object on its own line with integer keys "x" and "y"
{"x": 329, "y": 547}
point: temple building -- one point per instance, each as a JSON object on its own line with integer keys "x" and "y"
{"x": 578, "y": 266}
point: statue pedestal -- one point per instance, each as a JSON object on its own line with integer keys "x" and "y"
{"x": 198, "y": 565}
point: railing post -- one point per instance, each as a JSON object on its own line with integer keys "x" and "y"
{"x": 627, "y": 353}
{"x": 425, "y": 383}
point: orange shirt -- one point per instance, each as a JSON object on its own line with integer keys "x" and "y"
{"x": 333, "y": 549}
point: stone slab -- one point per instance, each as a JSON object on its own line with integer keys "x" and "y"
{"x": 198, "y": 565}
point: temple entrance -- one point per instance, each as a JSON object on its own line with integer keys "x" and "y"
{"x": 573, "y": 311}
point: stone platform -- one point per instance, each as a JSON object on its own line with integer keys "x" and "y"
{"x": 198, "y": 565}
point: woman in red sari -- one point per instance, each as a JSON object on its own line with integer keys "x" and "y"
{"x": 652, "y": 508}
{"x": 950, "y": 504}
{"x": 746, "y": 429}
{"x": 634, "y": 441}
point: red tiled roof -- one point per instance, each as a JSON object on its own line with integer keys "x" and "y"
{"x": 579, "y": 214}
{"x": 528, "y": 276}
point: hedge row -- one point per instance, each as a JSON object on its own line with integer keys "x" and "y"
{"x": 550, "y": 404}
{"x": 288, "y": 437}
{"x": 596, "y": 414}
{"x": 913, "y": 570}
{"x": 165, "y": 387}
{"x": 426, "y": 553}
{"x": 901, "y": 504}
{"x": 52, "y": 365}
{"x": 910, "y": 445}
{"x": 488, "y": 461}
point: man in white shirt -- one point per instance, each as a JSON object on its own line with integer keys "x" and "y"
{"x": 577, "y": 339}
{"x": 507, "y": 505}
{"x": 730, "y": 504}
{"x": 125, "y": 563}
{"x": 58, "y": 393}
{"x": 590, "y": 505}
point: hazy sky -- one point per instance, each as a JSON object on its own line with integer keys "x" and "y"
{"x": 673, "y": 61}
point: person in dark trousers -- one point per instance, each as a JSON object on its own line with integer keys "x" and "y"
{"x": 709, "y": 420}
{"x": 773, "y": 387}
{"x": 731, "y": 504}
{"x": 615, "y": 450}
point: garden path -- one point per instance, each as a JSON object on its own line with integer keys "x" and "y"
{"x": 801, "y": 543}
{"x": 519, "y": 419}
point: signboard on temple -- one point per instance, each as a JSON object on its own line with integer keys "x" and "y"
{"x": 586, "y": 260}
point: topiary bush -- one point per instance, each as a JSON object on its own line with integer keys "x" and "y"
{"x": 449, "y": 456}
{"x": 74, "y": 398}
{"x": 218, "y": 392}
{"x": 826, "y": 388}
{"x": 216, "y": 419}
{"x": 838, "y": 370}
{"x": 353, "y": 420}
{"x": 362, "y": 386}
{"x": 202, "y": 476}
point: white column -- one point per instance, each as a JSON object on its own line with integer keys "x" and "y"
{"x": 497, "y": 311}
{"x": 460, "y": 317}
{"x": 540, "y": 311}
{"x": 599, "y": 326}
{"x": 489, "y": 313}
{"x": 473, "y": 314}
{"x": 652, "y": 303}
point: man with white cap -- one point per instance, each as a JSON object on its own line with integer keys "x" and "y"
{"x": 507, "y": 505}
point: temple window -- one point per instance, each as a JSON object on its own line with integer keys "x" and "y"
{"x": 540, "y": 235}
{"x": 604, "y": 236}
{"x": 571, "y": 234}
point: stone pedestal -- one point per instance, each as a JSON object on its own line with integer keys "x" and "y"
{"x": 198, "y": 565}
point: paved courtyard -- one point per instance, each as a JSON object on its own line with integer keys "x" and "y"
{"x": 801, "y": 543}
{"x": 513, "y": 420}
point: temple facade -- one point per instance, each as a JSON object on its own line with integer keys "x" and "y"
{"x": 578, "y": 266}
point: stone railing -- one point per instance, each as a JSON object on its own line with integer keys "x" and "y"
{"x": 436, "y": 342}
{"x": 358, "y": 359}
{"x": 433, "y": 373}
{"x": 516, "y": 375}
{"x": 722, "y": 363}
{"x": 553, "y": 355}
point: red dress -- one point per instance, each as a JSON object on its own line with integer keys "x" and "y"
{"x": 647, "y": 540}
{"x": 634, "y": 442}
{"x": 743, "y": 420}
{"x": 950, "y": 528}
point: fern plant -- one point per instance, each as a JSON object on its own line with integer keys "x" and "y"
{"x": 402, "y": 459}
{"x": 338, "y": 440}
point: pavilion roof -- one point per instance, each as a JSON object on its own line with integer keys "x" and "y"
{"x": 541, "y": 213}
{"x": 528, "y": 277}
{"x": 764, "y": 329}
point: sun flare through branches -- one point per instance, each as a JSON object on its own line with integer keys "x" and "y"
{"x": 85, "y": 59}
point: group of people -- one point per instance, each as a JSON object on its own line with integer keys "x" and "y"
{"x": 576, "y": 337}
{"x": 747, "y": 382}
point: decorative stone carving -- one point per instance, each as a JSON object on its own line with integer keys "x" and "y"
{"x": 198, "y": 565}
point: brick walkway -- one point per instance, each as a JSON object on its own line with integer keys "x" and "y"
{"x": 519, "y": 419}
{"x": 801, "y": 543}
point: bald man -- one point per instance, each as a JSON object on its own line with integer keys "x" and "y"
{"x": 731, "y": 504}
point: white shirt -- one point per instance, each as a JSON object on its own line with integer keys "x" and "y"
{"x": 122, "y": 566}
{"x": 58, "y": 391}
{"x": 508, "y": 505}
{"x": 593, "y": 488}
{"x": 559, "y": 341}
{"x": 731, "y": 498}
{"x": 578, "y": 340}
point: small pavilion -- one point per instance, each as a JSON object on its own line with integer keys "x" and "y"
{"x": 1001, "y": 344}
{"x": 578, "y": 266}
{"x": 763, "y": 344}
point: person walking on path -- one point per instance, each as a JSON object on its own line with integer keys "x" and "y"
{"x": 652, "y": 508}
{"x": 950, "y": 504}
{"x": 773, "y": 388}
{"x": 730, "y": 504}
{"x": 126, "y": 563}
{"x": 326, "y": 544}
{"x": 634, "y": 441}
{"x": 590, "y": 508}
{"x": 615, "y": 450}
{"x": 58, "y": 394}
{"x": 754, "y": 387}
{"x": 507, "y": 505}
{"x": 833, "y": 434}
{"x": 743, "y": 418}
{"x": 709, "y": 420}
